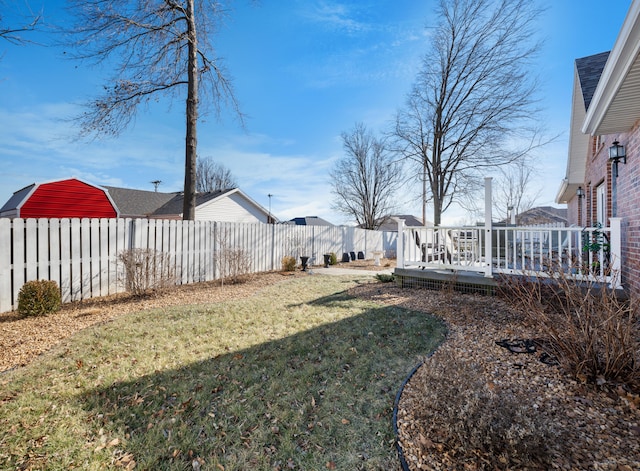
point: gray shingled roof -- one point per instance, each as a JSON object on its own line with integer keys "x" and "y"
{"x": 138, "y": 203}
{"x": 589, "y": 71}
{"x": 309, "y": 221}
{"x": 17, "y": 198}
{"x": 389, "y": 224}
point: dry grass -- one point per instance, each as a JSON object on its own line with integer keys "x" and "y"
{"x": 296, "y": 375}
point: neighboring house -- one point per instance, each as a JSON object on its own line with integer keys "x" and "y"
{"x": 73, "y": 198}
{"x": 226, "y": 206}
{"x": 309, "y": 221}
{"x": 390, "y": 224}
{"x": 69, "y": 198}
{"x": 138, "y": 203}
{"x": 606, "y": 119}
{"x": 542, "y": 215}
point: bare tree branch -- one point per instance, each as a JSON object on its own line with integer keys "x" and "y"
{"x": 12, "y": 33}
{"x": 213, "y": 176}
{"x": 159, "y": 47}
{"x": 473, "y": 105}
{"x": 365, "y": 179}
{"x": 513, "y": 190}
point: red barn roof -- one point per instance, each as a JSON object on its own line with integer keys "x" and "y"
{"x": 70, "y": 198}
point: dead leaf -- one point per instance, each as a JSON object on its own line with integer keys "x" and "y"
{"x": 331, "y": 465}
{"x": 345, "y": 421}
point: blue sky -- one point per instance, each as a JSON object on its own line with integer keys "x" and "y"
{"x": 303, "y": 71}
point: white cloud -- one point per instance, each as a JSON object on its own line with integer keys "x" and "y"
{"x": 336, "y": 16}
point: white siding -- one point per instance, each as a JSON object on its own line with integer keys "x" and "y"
{"x": 230, "y": 208}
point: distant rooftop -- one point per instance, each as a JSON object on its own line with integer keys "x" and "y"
{"x": 309, "y": 221}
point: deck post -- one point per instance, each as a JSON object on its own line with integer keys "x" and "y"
{"x": 488, "y": 249}
{"x": 615, "y": 238}
{"x": 400, "y": 243}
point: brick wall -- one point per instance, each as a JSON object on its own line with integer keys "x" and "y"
{"x": 628, "y": 208}
{"x": 627, "y": 198}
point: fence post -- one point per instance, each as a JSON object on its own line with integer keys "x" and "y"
{"x": 616, "y": 251}
{"x": 400, "y": 244}
{"x": 488, "y": 249}
{"x": 6, "y": 295}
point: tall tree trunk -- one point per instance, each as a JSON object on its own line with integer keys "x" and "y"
{"x": 191, "y": 141}
{"x": 437, "y": 210}
{"x": 424, "y": 191}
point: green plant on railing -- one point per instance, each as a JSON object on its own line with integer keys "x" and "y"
{"x": 595, "y": 241}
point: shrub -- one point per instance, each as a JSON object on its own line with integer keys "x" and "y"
{"x": 594, "y": 335}
{"x": 146, "y": 270}
{"x": 333, "y": 258}
{"x": 288, "y": 263}
{"x": 385, "y": 277}
{"x": 38, "y": 298}
{"x": 464, "y": 415}
{"x": 234, "y": 263}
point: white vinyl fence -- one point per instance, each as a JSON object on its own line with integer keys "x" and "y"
{"x": 82, "y": 255}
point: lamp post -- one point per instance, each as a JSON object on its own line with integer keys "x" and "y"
{"x": 580, "y": 194}
{"x": 617, "y": 153}
{"x": 270, "y": 221}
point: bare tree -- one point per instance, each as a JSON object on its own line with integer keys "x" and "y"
{"x": 473, "y": 104}
{"x": 365, "y": 179}
{"x": 213, "y": 176}
{"x": 12, "y": 33}
{"x": 159, "y": 47}
{"x": 513, "y": 190}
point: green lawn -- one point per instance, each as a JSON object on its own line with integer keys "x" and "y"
{"x": 299, "y": 376}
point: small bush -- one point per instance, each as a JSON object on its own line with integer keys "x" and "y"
{"x": 385, "y": 278}
{"x": 594, "y": 336}
{"x": 288, "y": 263}
{"x": 146, "y": 270}
{"x": 38, "y": 298}
{"x": 464, "y": 416}
{"x": 333, "y": 258}
{"x": 233, "y": 263}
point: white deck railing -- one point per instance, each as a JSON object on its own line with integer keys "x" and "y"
{"x": 580, "y": 252}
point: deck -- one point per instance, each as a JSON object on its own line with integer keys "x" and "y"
{"x": 476, "y": 256}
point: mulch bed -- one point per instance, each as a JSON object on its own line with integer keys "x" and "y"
{"x": 600, "y": 427}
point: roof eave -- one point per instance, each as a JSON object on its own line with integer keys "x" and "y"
{"x": 621, "y": 59}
